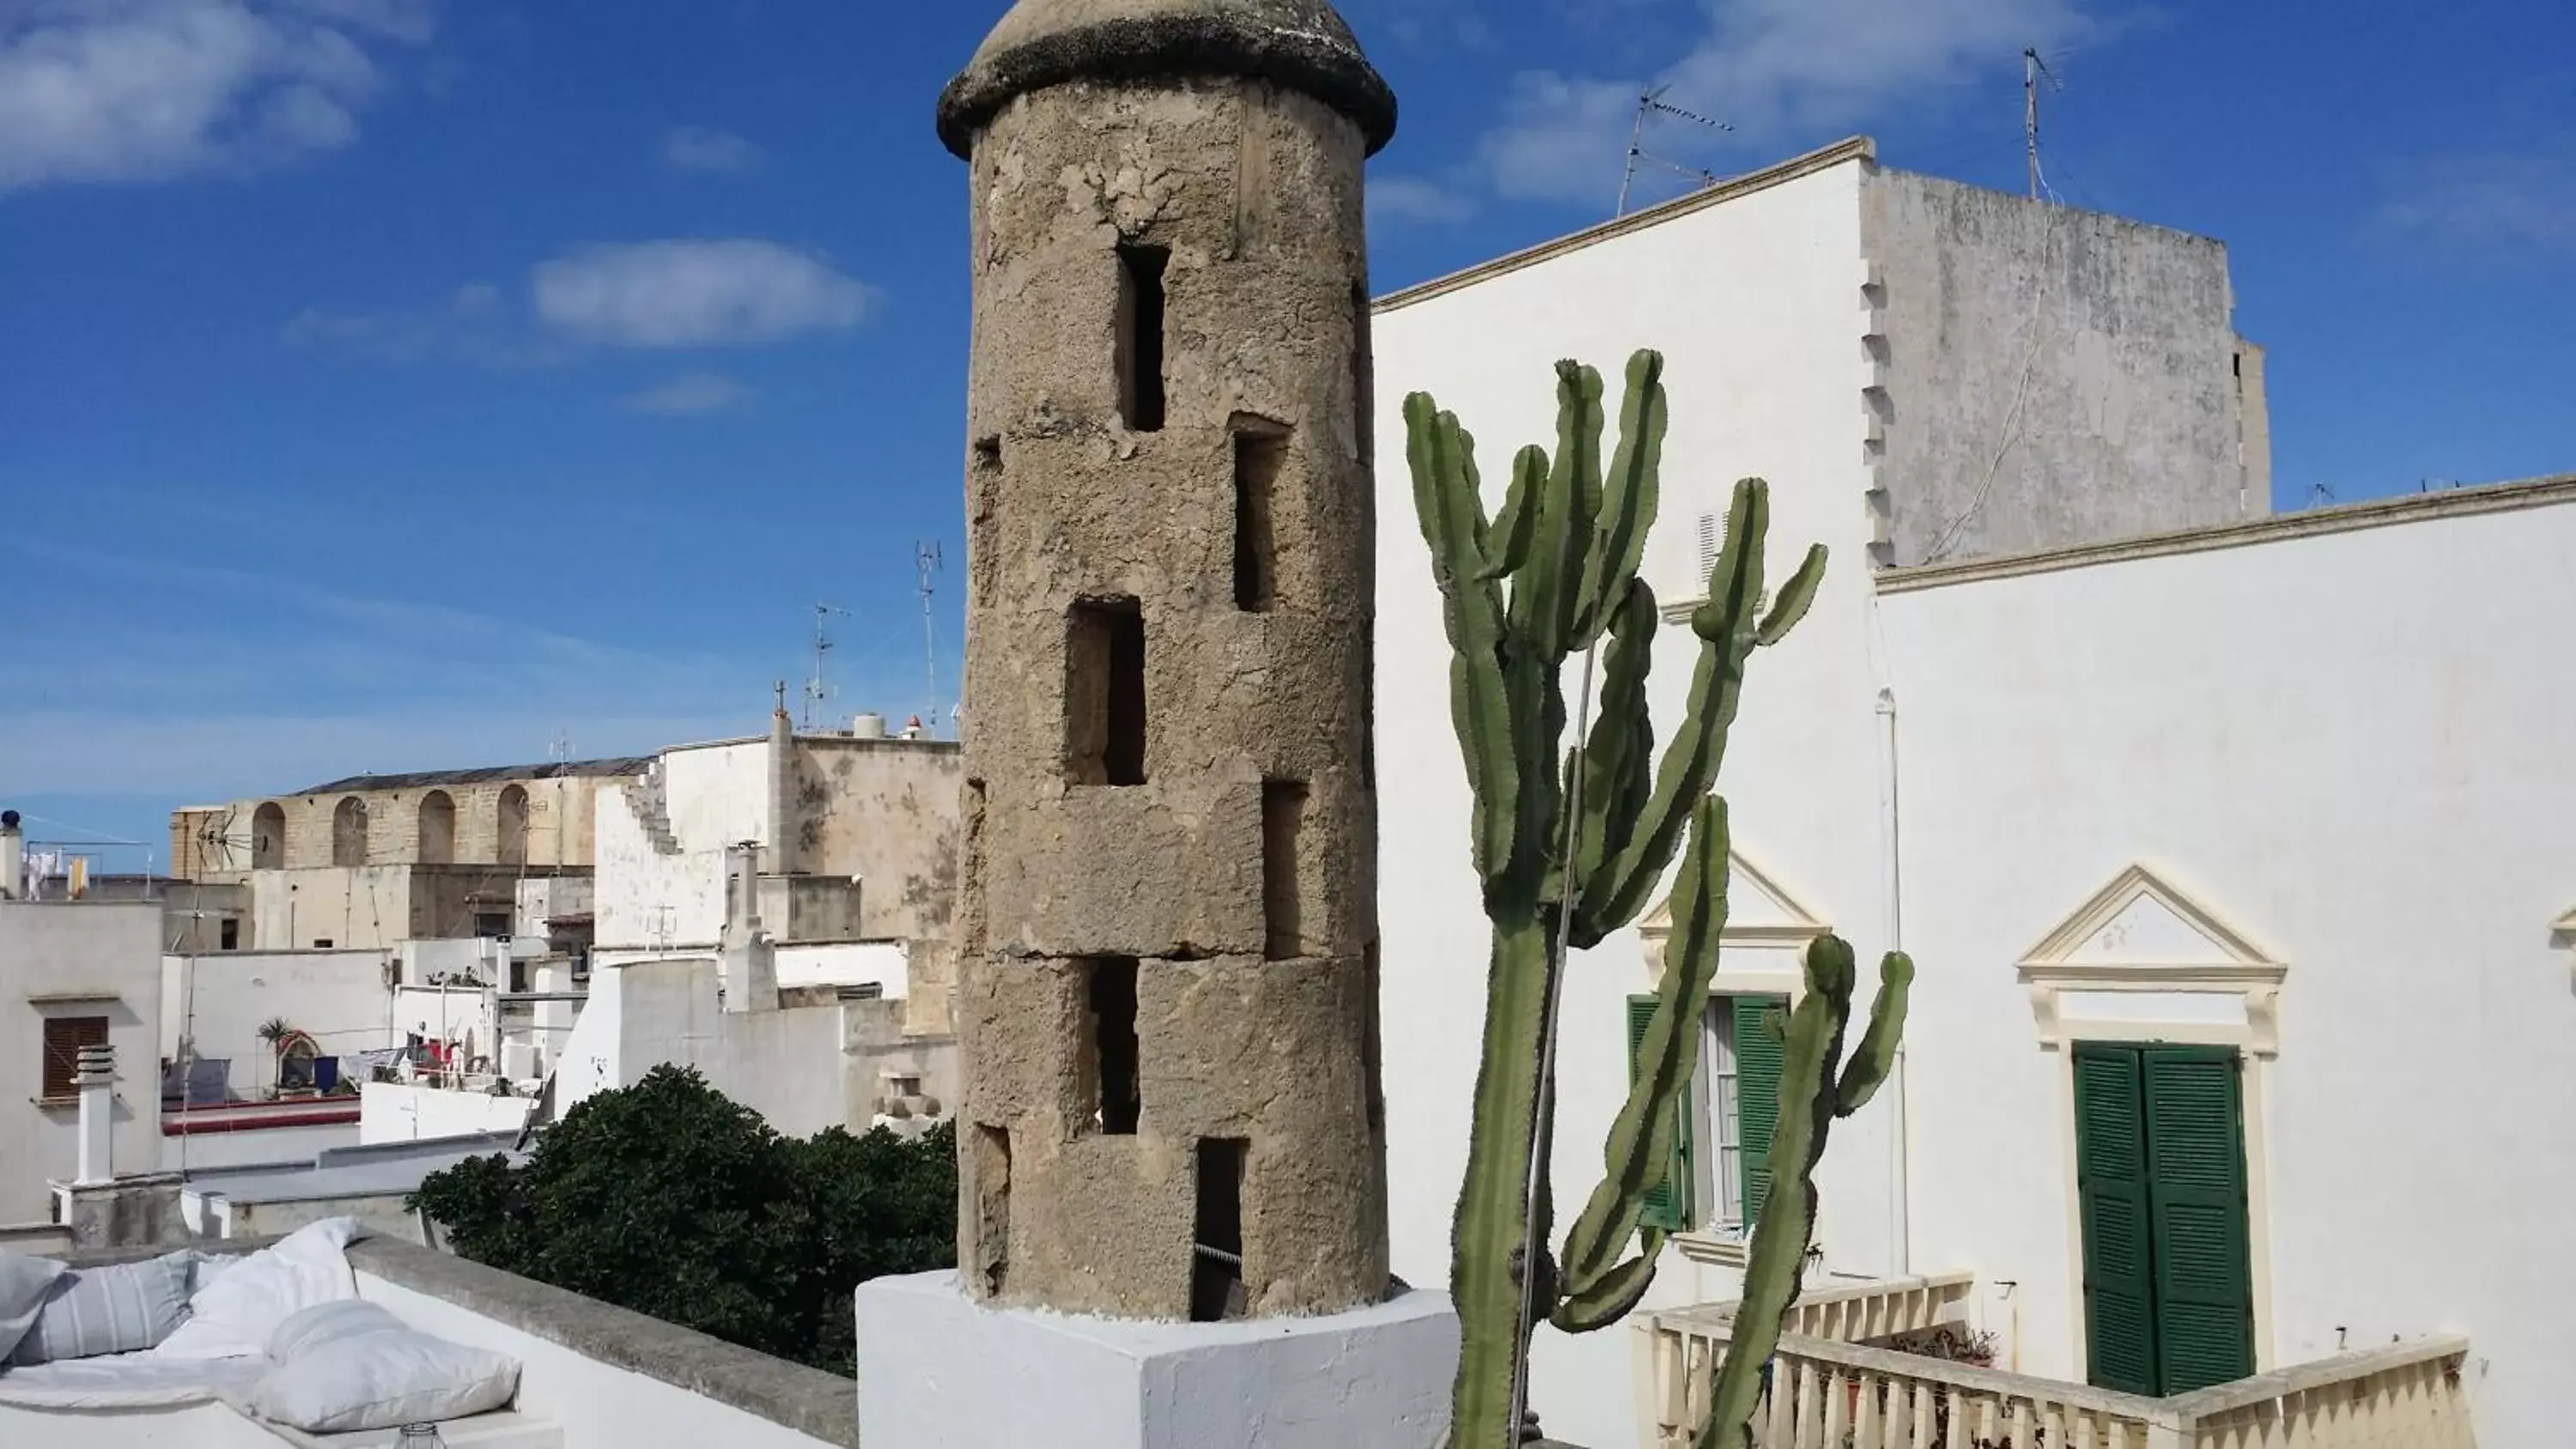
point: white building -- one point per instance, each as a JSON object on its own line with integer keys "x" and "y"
{"x": 2120, "y": 761}
{"x": 847, "y": 839}
{"x": 74, "y": 974}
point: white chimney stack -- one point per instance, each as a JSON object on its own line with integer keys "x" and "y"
{"x": 13, "y": 858}
{"x": 95, "y": 1075}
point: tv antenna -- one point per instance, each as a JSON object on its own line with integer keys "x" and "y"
{"x": 216, "y": 840}
{"x": 2033, "y": 71}
{"x": 816, "y": 689}
{"x": 1652, "y": 103}
{"x": 926, "y": 559}
{"x": 559, "y": 749}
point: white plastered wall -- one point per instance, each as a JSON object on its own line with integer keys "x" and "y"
{"x": 2350, "y": 750}
{"x": 1758, "y": 305}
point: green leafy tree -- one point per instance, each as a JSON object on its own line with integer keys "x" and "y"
{"x": 670, "y": 1198}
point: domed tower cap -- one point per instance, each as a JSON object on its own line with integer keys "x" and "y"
{"x": 1302, "y": 44}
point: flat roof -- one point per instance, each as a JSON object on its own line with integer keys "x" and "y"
{"x": 427, "y": 779}
{"x": 2508, "y": 497}
{"x": 364, "y": 1177}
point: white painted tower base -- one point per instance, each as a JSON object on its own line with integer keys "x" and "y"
{"x": 936, "y": 1371}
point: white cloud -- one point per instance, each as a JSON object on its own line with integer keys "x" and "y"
{"x": 2496, "y": 203}
{"x": 1412, "y": 200}
{"x": 378, "y": 681}
{"x": 695, "y": 294}
{"x": 140, "y": 90}
{"x": 694, "y": 395}
{"x": 471, "y": 326}
{"x": 1782, "y": 72}
{"x": 655, "y": 294}
{"x": 696, "y": 148}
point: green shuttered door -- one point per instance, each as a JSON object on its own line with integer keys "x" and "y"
{"x": 2196, "y": 1175}
{"x": 1668, "y": 1203}
{"x": 2168, "y": 1281}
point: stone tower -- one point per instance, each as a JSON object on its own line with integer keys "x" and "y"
{"x": 1168, "y": 931}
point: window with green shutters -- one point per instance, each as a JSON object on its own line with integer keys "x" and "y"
{"x": 1758, "y": 1062}
{"x": 1743, "y": 1108}
{"x": 1668, "y": 1203}
{"x": 2160, "y": 1175}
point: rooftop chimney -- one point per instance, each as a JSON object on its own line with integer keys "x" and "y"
{"x": 13, "y": 858}
{"x": 95, "y": 1075}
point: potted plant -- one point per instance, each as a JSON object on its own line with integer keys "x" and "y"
{"x": 274, "y": 1031}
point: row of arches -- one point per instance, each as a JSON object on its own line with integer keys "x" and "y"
{"x": 351, "y": 839}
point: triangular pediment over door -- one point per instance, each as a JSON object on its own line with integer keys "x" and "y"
{"x": 2145, "y": 960}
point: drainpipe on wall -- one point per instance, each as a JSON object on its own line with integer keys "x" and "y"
{"x": 1900, "y": 1228}
{"x": 1900, "y": 1217}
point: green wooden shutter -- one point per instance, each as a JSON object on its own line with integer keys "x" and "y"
{"x": 1758, "y": 1063}
{"x": 2111, "y": 1186}
{"x": 2196, "y": 1181}
{"x": 1668, "y": 1203}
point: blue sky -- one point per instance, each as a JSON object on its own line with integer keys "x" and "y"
{"x": 402, "y": 384}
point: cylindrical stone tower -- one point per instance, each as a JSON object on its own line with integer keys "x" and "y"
{"x": 1168, "y": 937}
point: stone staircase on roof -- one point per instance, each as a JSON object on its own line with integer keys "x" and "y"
{"x": 648, "y": 800}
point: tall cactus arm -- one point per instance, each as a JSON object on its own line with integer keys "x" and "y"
{"x": 1546, "y": 593}
{"x": 1875, "y": 1057}
{"x": 1615, "y": 894}
{"x": 1617, "y": 763}
{"x": 1796, "y": 597}
{"x": 1635, "y": 1156}
{"x": 1779, "y": 1250}
{"x": 1617, "y": 1293}
{"x": 1487, "y": 1234}
{"x": 1507, "y": 544}
{"x": 1726, "y": 617}
{"x": 1629, "y": 498}
{"x": 1445, "y": 496}
{"x": 1538, "y": 724}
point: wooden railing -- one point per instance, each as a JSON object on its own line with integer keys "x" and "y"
{"x": 1829, "y": 1394}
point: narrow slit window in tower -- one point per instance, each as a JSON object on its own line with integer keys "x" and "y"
{"x": 1283, "y": 821}
{"x": 1104, "y": 693}
{"x": 992, "y": 1147}
{"x": 1113, "y": 1044}
{"x": 1216, "y": 1271}
{"x": 1372, "y": 1047}
{"x": 1140, "y": 335}
{"x": 1260, "y": 451}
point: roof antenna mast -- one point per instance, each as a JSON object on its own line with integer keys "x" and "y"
{"x": 926, "y": 558}
{"x": 816, "y": 691}
{"x": 2033, "y": 71}
{"x": 1652, "y": 103}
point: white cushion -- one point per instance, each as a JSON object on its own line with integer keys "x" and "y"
{"x": 344, "y": 1367}
{"x": 235, "y": 1315}
{"x": 329, "y": 1322}
{"x": 24, "y": 1285}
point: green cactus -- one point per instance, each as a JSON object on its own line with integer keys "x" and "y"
{"x": 1547, "y": 579}
{"x": 1812, "y": 1095}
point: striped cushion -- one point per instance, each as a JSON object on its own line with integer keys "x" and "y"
{"x": 24, "y": 1284}
{"x": 95, "y": 1311}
